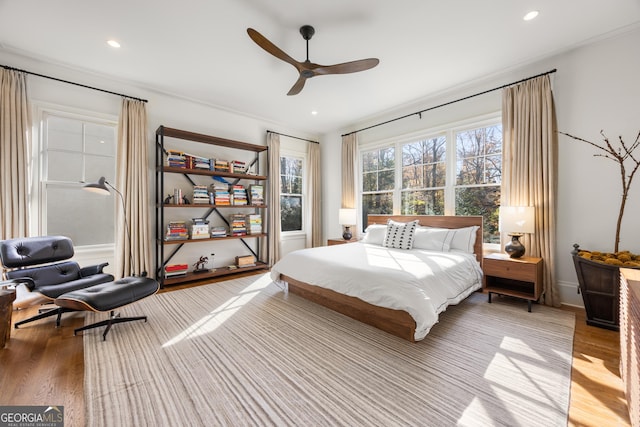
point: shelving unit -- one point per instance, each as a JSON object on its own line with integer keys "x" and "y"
{"x": 166, "y": 250}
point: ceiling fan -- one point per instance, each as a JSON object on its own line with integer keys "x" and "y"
{"x": 308, "y": 69}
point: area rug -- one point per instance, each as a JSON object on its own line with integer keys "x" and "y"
{"x": 243, "y": 352}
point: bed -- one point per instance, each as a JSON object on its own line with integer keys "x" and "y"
{"x": 396, "y": 290}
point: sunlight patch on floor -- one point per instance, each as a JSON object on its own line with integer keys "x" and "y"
{"x": 222, "y": 313}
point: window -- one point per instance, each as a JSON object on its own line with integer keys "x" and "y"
{"x": 74, "y": 150}
{"x": 457, "y": 171}
{"x": 291, "y": 199}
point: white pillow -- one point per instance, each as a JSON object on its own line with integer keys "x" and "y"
{"x": 399, "y": 235}
{"x": 464, "y": 239}
{"x": 433, "y": 239}
{"x": 374, "y": 234}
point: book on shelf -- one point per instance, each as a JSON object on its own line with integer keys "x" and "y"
{"x": 175, "y": 270}
{"x": 200, "y": 195}
{"x": 218, "y": 231}
{"x": 199, "y": 231}
{"x": 254, "y": 223}
{"x": 237, "y": 166}
{"x": 177, "y": 230}
{"x": 220, "y": 165}
{"x": 256, "y": 194}
{"x": 179, "y": 197}
{"x": 176, "y": 159}
{"x": 239, "y": 195}
{"x": 238, "y": 225}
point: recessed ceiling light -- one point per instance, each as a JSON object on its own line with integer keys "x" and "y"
{"x": 113, "y": 43}
{"x": 314, "y": 113}
{"x": 531, "y": 15}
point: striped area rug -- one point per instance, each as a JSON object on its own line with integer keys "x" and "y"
{"x": 242, "y": 352}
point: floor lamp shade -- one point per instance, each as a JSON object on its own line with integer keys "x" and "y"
{"x": 516, "y": 221}
{"x": 347, "y": 217}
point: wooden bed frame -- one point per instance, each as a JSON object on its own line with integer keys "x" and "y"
{"x": 396, "y": 322}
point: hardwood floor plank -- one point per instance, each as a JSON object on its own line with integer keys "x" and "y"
{"x": 44, "y": 365}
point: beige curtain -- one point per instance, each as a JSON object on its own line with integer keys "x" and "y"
{"x": 133, "y": 257}
{"x": 315, "y": 194}
{"x": 15, "y": 122}
{"x": 272, "y": 245}
{"x": 530, "y": 171}
{"x": 349, "y": 165}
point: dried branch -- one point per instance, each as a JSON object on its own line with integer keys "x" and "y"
{"x": 620, "y": 155}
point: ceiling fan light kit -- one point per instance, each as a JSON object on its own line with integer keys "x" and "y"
{"x": 308, "y": 69}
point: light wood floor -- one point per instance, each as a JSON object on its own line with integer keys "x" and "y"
{"x": 42, "y": 365}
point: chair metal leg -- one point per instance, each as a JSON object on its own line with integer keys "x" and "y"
{"x": 53, "y": 312}
{"x": 112, "y": 320}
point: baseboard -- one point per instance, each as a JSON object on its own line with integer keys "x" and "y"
{"x": 569, "y": 295}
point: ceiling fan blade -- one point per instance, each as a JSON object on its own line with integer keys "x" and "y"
{"x": 297, "y": 87}
{"x": 347, "y": 67}
{"x": 271, "y": 48}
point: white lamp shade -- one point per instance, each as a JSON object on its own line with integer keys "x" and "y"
{"x": 347, "y": 217}
{"x": 517, "y": 219}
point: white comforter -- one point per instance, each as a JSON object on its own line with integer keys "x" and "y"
{"x": 421, "y": 282}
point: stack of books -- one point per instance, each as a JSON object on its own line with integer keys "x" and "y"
{"x": 177, "y": 230}
{"x": 200, "y": 229}
{"x": 256, "y": 194}
{"x": 221, "y": 165}
{"x": 176, "y": 159}
{"x": 218, "y": 231}
{"x": 254, "y": 223}
{"x": 237, "y": 166}
{"x": 197, "y": 162}
{"x": 200, "y": 195}
{"x": 238, "y": 225}
{"x": 239, "y": 195}
{"x": 221, "y": 196}
{"x": 173, "y": 270}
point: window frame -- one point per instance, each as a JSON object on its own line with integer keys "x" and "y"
{"x": 302, "y": 156}
{"x": 449, "y": 130}
{"x": 41, "y": 110}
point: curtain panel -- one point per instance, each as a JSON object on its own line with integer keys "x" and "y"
{"x": 15, "y": 122}
{"x": 271, "y": 246}
{"x": 133, "y": 243}
{"x": 530, "y": 168}
{"x": 349, "y": 166}
{"x": 315, "y": 194}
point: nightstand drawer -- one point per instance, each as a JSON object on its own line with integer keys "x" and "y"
{"x": 510, "y": 269}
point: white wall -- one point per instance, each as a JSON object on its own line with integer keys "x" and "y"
{"x": 162, "y": 109}
{"x": 596, "y": 87}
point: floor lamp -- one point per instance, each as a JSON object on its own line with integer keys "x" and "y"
{"x": 100, "y": 187}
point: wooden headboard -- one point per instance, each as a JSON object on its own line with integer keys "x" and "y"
{"x": 442, "y": 221}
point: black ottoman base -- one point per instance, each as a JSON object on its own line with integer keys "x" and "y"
{"x": 107, "y": 297}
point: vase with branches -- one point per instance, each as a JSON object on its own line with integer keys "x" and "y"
{"x": 598, "y": 272}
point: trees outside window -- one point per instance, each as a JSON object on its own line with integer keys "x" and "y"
{"x": 454, "y": 172}
{"x": 291, "y": 198}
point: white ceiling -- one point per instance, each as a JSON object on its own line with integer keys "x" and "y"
{"x": 199, "y": 49}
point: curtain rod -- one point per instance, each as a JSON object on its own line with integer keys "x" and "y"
{"x": 419, "y": 113}
{"x": 294, "y": 137}
{"x": 73, "y": 83}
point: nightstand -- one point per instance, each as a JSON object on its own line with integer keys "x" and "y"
{"x": 340, "y": 241}
{"x": 516, "y": 277}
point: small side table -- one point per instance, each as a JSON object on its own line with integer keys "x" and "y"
{"x": 516, "y": 277}
{"x": 340, "y": 241}
{"x": 7, "y": 296}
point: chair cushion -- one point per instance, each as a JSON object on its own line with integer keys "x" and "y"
{"x": 54, "y": 291}
{"x": 27, "y": 251}
{"x": 109, "y": 296}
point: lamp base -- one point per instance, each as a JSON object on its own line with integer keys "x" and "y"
{"x": 347, "y": 234}
{"x": 514, "y": 248}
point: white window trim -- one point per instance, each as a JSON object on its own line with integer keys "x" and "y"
{"x": 449, "y": 130}
{"x": 298, "y": 150}
{"x": 36, "y": 187}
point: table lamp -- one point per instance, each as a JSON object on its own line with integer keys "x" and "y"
{"x": 347, "y": 218}
{"x": 516, "y": 221}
